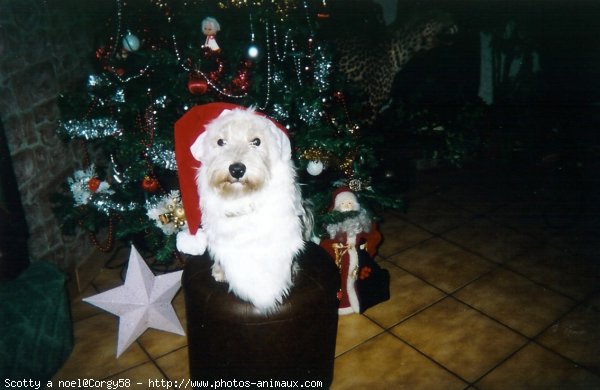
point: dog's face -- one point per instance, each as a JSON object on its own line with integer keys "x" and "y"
{"x": 238, "y": 151}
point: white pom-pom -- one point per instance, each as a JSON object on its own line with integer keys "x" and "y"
{"x": 315, "y": 167}
{"x": 191, "y": 244}
{"x": 131, "y": 42}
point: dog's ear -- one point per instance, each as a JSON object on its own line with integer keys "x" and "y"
{"x": 198, "y": 148}
{"x": 282, "y": 142}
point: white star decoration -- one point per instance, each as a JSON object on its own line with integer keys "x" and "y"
{"x": 143, "y": 302}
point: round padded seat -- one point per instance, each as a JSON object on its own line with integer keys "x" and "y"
{"x": 229, "y": 339}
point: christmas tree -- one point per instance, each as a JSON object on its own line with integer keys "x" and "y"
{"x": 155, "y": 61}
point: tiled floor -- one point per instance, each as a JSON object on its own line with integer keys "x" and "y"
{"x": 485, "y": 294}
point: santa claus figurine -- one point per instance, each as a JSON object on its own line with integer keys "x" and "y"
{"x": 352, "y": 243}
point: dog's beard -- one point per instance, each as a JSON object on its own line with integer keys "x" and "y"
{"x": 229, "y": 187}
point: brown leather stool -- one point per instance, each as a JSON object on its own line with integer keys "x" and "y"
{"x": 230, "y": 340}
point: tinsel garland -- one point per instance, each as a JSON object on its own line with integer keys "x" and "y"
{"x": 90, "y": 128}
{"x": 107, "y": 206}
{"x": 162, "y": 156}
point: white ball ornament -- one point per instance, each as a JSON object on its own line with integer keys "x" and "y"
{"x": 253, "y": 51}
{"x": 131, "y": 42}
{"x": 315, "y": 167}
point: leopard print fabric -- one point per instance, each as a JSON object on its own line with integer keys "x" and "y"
{"x": 373, "y": 64}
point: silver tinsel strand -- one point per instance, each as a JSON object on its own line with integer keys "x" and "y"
{"x": 90, "y": 129}
{"x": 280, "y": 113}
{"x": 119, "y": 96}
{"x": 162, "y": 156}
{"x": 322, "y": 72}
{"x": 105, "y": 205}
{"x": 309, "y": 113}
{"x": 97, "y": 81}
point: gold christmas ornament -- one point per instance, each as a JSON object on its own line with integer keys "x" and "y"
{"x": 346, "y": 165}
{"x": 316, "y": 154}
{"x": 179, "y": 213}
{"x": 175, "y": 215}
{"x": 165, "y": 218}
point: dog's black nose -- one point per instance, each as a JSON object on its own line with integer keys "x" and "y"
{"x": 237, "y": 170}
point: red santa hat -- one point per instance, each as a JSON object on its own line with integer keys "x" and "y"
{"x": 339, "y": 195}
{"x": 187, "y": 129}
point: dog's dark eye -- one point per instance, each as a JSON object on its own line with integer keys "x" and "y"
{"x": 255, "y": 142}
{"x": 221, "y": 142}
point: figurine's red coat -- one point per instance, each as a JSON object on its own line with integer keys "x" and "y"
{"x": 347, "y": 259}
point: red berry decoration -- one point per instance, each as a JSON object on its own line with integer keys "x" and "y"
{"x": 149, "y": 184}
{"x": 94, "y": 183}
{"x": 365, "y": 272}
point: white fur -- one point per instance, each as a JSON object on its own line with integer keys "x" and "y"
{"x": 192, "y": 244}
{"x": 253, "y": 226}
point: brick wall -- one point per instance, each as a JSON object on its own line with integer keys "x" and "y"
{"x": 45, "y": 48}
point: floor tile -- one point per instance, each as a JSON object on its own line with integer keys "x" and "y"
{"x": 95, "y": 350}
{"x": 535, "y": 368}
{"x": 428, "y": 182}
{"x": 399, "y": 235}
{"x": 574, "y": 276}
{"x": 109, "y": 278}
{"x": 175, "y": 365}
{"x": 576, "y": 336}
{"x": 441, "y": 263}
{"x": 473, "y": 197}
{"x": 515, "y": 301}
{"x": 581, "y": 241}
{"x": 525, "y": 216}
{"x": 459, "y": 338}
{"x": 353, "y": 330}
{"x": 595, "y": 301}
{"x": 408, "y": 295}
{"x": 81, "y": 310}
{"x": 384, "y": 362}
{"x": 142, "y": 376}
{"x": 575, "y": 233}
{"x": 493, "y": 241}
{"x": 436, "y": 214}
{"x": 158, "y": 343}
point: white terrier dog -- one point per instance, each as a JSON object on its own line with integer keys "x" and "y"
{"x": 250, "y": 205}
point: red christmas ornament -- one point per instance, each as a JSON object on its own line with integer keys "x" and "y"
{"x": 323, "y": 12}
{"x": 94, "y": 183}
{"x": 149, "y": 184}
{"x": 197, "y": 85}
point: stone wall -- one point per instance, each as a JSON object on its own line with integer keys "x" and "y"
{"x": 45, "y": 48}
